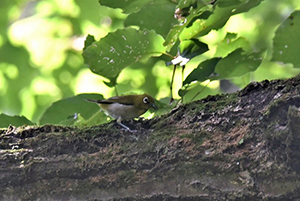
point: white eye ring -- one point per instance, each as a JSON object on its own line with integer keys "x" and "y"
{"x": 146, "y": 100}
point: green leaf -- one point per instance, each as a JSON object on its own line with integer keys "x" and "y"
{"x": 230, "y": 43}
{"x": 6, "y": 120}
{"x": 186, "y": 3}
{"x": 125, "y": 5}
{"x": 227, "y": 3}
{"x": 245, "y": 5}
{"x": 98, "y": 118}
{"x": 237, "y": 64}
{"x": 88, "y": 41}
{"x": 202, "y": 72}
{"x": 286, "y": 42}
{"x": 112, "y": 82}
{"x": 193, "y": 90}
{"x": 173, "y": 35}
{"x": 65, "y": 111}
{"x": 218, "y": 19}
{"x": 164, "y": 106}
{"x": 157, "y": 15}
{"x": 120, "y": 49}
{"x": 188, "y": 50}
{"x": 205, "y": 18}
{"x": 192, "y": 48}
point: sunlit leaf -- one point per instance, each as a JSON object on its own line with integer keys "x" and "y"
{"x": 186, "y": 6}
{"x": 218, "y": 19}
{"x": 194, "y": 91}
{"x": 200, "y": 12}
{"x": 237, "y": 64}
{"x": 173, "y": 35}
{"x": 98, "y": 118}
{"x": 182, "y": 92}
{"x": 65, "y": 111}
{"x": 188, "y": 92}
{"x": 286, "y": 41}
{"x": 164, "y": 106}
{"x": 201, "y": 20}
{"x": 6, "y": 120}
{"x": 119, "y": 49}
{"x": 157, "y": 15}
{"x": 230, "y": 43}
{"x": 203, "y": 71}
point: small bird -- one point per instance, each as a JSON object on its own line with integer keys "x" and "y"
{"x": 126, "y": 107}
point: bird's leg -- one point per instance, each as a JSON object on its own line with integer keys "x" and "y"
{"x": 120, "y": 123}
{"x": 127, "y": 128}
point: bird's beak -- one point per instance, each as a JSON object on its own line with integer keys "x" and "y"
{"x": 153, "y": 105}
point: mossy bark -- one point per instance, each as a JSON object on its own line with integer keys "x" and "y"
{"x": 240, "y": 146}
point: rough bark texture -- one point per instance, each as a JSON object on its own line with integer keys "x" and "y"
{"x": 241, "y": 146}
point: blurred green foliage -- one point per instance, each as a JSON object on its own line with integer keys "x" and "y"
{"x": 41, "y": 43}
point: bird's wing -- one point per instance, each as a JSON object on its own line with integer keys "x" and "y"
{"x": 123, "y": 101}
{"x": 98, "y": 101}
{"x": 110, "y": 101}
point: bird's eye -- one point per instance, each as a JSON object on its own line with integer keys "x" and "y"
{"x": 146, "y": 100}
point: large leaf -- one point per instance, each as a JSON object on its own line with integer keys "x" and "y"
{"x": 65, "y": 111}
{"x": 119, "y": 49}
{"x": 186, "y": 3}
{"x": 286, "y": 42}
{"x": 230, "y": 43}
{"x": 237, "y": 64}
{"x": 157, "y": 15}
{"x": 222, "y": 12}
{"x": 202, "y": 72}
{"x": 6, "y": 120}
{"x": 125, "y": 5}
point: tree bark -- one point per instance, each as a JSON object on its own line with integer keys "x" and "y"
{"x": 240, "y": 146}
